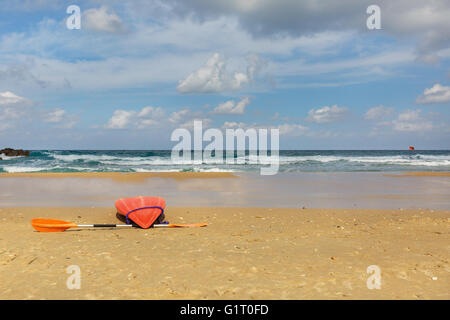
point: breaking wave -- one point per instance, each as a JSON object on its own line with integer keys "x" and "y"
{"x": 290, "y": 161}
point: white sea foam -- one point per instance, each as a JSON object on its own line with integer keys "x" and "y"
{"x": 184, "y": 169}
{"x": 212, "y": 170}
{"x": 25, "y": 169}
{"x": 417, "y": 160}
{"x": 17, "y": 169}
{"x": 5, "y": 157}
{"x": 142, "y": 170}
{"x": 140, "y": 161}
{"x": 86, "y": 157}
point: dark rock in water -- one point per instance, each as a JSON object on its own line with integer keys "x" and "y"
{"x": 9, "y": 152}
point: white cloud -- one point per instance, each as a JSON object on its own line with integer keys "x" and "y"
{"x": 12, "y": 108}
{"x": 430, "y": 58}
{"x": 120, "y": 119}
{"x": 354, "y": 67}
{"x": 234, "y": 125}
{"x": 231, "y": 107}
{"x": 60, "y": 118}
{"x": 327, "y": 114}
{"x": 213, "y": 77}
{"x": 147, "y": 117}
{"x": 167, "y": 47}
{"x": 426, "y": 22}
{"x": 409, "y": 115}
{"x": 16, "y": 110}
{"x": 54, "y": 116}
{"x": 172, "y": 48}
{"x": 190, "y": 34}
{"x": 178, "y": 116}
{"x": 150, "y": 117}
{"x": 275, "y": 117}
{"x": 185, "y": 118}
{"x": 378, "y": 113}
{"x": 68, "y": 123}
{"x": 206, "y": 123}
{"x": 289, "y": 129}
{"x": 151, "y": 112}
{"x": 100, "y": 74}
{"x": 412, "y": 126}
{"x": 292, "y": 129}
{"x": 435, "y": 94}
{"x": 31, "y": 5}
{"x": 411, "y": 120}
{"x": 103, "y": 19}
{"x": 8, "y": 98}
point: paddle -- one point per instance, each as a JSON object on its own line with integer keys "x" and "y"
{"x": 53, "y": 225}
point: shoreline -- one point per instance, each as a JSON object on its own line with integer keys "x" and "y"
{"x": 419, "y": 174}
{"x": 244, "y": 253}
{"x": 120, "y": 176}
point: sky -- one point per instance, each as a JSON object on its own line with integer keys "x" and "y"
{"x": 134, "y": 71}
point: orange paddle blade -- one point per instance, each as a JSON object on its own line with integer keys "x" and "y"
{"x": 192, "y": 225}
{"x": 51, "y": 225}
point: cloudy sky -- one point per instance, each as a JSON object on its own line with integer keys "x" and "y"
{"x": 137, "y": 70}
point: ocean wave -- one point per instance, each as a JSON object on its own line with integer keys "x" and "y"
{"x": 84, "y": 157}
{"x": 184, "y": 170}
{"x": 5, "y": 157}
{"x": 24, "y": 169}
{"x": 161, "y": 161}
{"x": 143, "y": 170}
{"x": 166, "y": 160}
{"x": 16, "y": 169}
{"x": 423, "y": 160}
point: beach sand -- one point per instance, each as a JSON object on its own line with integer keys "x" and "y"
{"x": 420, "y": 174}
{"x": 126, "y": 177}
{"x": 142, "y": 176}
{"x": 244, "y": 253}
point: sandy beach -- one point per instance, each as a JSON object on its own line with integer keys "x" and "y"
{"x": 244, "y": 253}
{"x": 120, "y": 176}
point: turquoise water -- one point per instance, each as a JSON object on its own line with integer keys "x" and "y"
{"x": 290, "y": 161}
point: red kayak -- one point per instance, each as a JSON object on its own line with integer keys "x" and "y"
{"x": 143, "y": 211}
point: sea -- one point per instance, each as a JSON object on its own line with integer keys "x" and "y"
{"x": 289, "y": 161}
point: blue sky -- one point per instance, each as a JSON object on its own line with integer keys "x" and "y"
{"x": 137, "y": 70}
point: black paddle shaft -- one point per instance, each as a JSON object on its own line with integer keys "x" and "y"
{"x": 112, "y": 225}
{"x": 105, "y": 225}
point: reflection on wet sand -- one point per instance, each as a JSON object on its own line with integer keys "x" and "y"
{"x": 316, "y": 190}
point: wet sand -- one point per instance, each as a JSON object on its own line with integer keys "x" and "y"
{"x": 141, "y": 176}
{"x": 363, "y": 190}
{"x": 420, "y": 174}
{"x": 120, "y": 176}
{"x": 244, "y": 253}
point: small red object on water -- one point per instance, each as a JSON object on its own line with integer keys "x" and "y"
{"x": 411, "y": 148}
